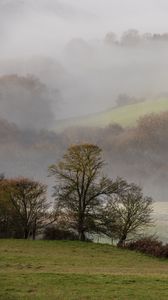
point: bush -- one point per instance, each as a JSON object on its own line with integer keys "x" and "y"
{"x": 53, "y": 233}
{"x": 149, "y": 246}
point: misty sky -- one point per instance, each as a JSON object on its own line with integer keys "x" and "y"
{"x": 118, "y": 14}
{"x": 34, "y": 35}
{"x": 35, "y": 29}
{"x": 33, "y": 24}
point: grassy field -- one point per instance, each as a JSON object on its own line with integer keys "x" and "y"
{"x": 75, "y": 270}
{"x": 125, "y": 116}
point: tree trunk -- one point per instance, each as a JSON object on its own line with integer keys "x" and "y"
{"x": 34, "y": 234}
{"x": 81, "y": 230}
{"x": 82, "y": 236}
{"x": 121, "y": 242}
{"x": 26, "y": 234}
{"x": 34, "y": 230}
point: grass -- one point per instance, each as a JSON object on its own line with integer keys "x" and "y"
{"x": 78, "y": 271}
{"x": 125, "y": 116}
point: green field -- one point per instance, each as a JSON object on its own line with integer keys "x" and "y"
{"x": 75, "y": 270}
{"x": 125, "y": 116}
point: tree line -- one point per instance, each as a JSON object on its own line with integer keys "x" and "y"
{"x": 144, "y": 146}
{"x": 133, "y": 37}
{"x": 85, "y": 201}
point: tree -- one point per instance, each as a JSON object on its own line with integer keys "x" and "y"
{"x": 28, "y": 201}
{"x": 127, "y": 213}
{"x": 124, "y": 99}
{"x": 110, "y": 38}
{"x": 6, "y": 213}
{"x": 131, "y": 37}
{"x": 81, "y": 187}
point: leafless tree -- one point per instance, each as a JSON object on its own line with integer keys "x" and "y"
{"x": 127, "y": 213}
{"x": 28, "y": 199}
{"x": 80, "y": 185}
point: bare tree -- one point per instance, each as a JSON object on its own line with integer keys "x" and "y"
{"x": 127, "y": 213}
{"x": 80, "y": 185}
{"x": 28, "y": 199}
{"x": 7, "y": 213}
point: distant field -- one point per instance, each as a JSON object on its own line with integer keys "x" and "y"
{"x": 78, "y": 271}
{"x": 125, "y": 116}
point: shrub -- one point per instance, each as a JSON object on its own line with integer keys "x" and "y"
{"x": 53, "y": 233}
{"x": 150, "y": 246}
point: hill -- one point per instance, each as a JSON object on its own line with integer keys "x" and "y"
{"x": 74, "y": 270}
{"x": 125, "y": 115}
{"x": 139, "y": 154}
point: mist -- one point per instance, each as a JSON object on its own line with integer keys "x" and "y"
{"x": 62, "y": 59}
{"x": 63, "y": 44}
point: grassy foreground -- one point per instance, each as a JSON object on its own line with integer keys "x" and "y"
{"x": 125, "y": 116}
{"x": 75, "y": 270}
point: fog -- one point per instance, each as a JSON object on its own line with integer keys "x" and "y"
{"x": 61, "y": 59}
{"x": 68, "y": 58}
{"x": 62, "y": 43}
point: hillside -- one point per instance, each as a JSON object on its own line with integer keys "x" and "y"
{"x": 125, "y": 115}
{"x": 138, "y": 154}
{"x": 77, "y": 271}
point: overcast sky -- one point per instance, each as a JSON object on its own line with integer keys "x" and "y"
{"x": 118, "y": 15}
{"x": 39, "y": 21}
{"x": 42, "y": 28}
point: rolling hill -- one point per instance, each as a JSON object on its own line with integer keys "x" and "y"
{"x": 67, "y": 270}
{"x": 125, "y": 115}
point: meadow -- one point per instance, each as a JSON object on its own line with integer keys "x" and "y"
{"x": 78, "y": 271}
{"x": 125, "y": 116}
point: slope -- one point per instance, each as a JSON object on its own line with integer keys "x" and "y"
{"x": 125, "y": 115}
{"x": 77, "y": 271}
